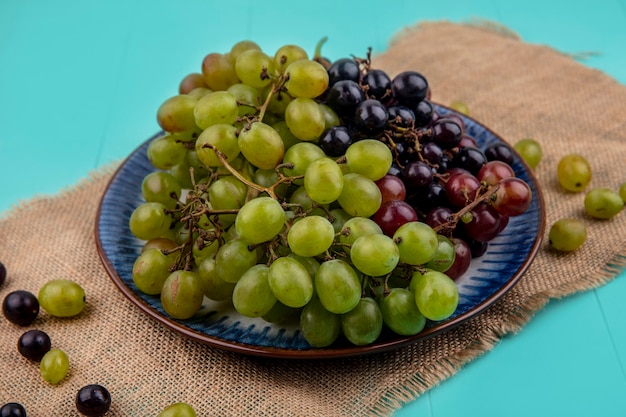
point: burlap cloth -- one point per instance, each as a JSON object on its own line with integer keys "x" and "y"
{"x": 517, "y": 89}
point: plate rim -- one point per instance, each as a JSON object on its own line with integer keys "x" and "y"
{"x": 327, "y": 352}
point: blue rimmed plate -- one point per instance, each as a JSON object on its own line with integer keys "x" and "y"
{"x": 218, "y": 323}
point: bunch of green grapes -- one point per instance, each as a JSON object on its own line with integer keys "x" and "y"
{"x": 269, "y": 178}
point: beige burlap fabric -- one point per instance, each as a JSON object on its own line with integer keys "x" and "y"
{"x": 517, "y": 89}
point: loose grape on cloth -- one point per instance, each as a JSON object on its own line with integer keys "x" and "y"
{"x": 518, "y": 90}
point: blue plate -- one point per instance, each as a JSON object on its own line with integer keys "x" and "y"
{"x": 218, "y": 323}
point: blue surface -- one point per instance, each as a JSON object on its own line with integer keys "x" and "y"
{"x": 80, "y": 83}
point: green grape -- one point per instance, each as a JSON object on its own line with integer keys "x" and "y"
{"x": 191, "y": 82}
{"x": 307, "y": 79}
{"x": 165, "y": 152}
{"x": 319, "y": 326}
{"x": 363, "y": 324}
{"x": 213, "y": 286}
{"x": 622, "y": 191}
{"x": 227, "y": 193}
{"x": 250, "y": 67}
{"x": 331, "y": 118}
{"x": 567, "y": 235}
{"x": 149, "y": 221}
{"x": 161, "y": 187}
{"x": 223, "y": 137}
{"x": 436, "y": 295}
{"x": 178, "y": 410}
{"x": 360, "y": 196}
{"x": 182, "y": 173}
{"x": 62, "y": 298}
{"x": 311, "y": 236}
{"x": 233, "y": 259}
{"x": 277, "y": 105}
{"x": 400, "y": 312}
{"x": 269, "y": 177}
{"x": 417, "y": 243}
{"x": 281, "y": 314}
{"x": 300, "y": 155}
{"x": 356, "y": 227}
{"x": 290, "y": 282}
{"x": 444, "y": 255}
{"x": 204, "y": 248}
{"x": 339, "y": 218}
{"x": 159, "y": 243}
{"x": 182, "y": 294}
{"x": 415, "y": 277}
{"x": 198, "y": 93}
{"x": 261, "y": 145}
{"x": 370, "y": 158}
{"x": 245, "y": 94}
{"x": 305, "y": 119}
{"x": 150, "y": 271}
{"x": 219, "y": 107}
{"x": 54, "y": 366}
{"x": 176, "y": 114}
{"x": 311, "y": 264}
{"x": 574, "y": 172}
{"x": 603, "y": 203}
{"x": 287, "y": 54}
{"x": 323, "y": 180}
{"x": 460, "y": 106}
{"x": 241, "y": 47}
{"x": 285, "y": 134}
{"x": 260, "y": 220}
{"x": 338, "y": 286}
{"x": 374, "y": 254}
{"x": 530, "y": 151}
{"x": 253, "y": 296}
{"x": 218, "y": 71}
{"x": 302, "y": 201}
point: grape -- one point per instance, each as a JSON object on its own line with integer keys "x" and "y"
{"x": 20, "y": 307}
{"x": 400, "y": 313}
{"x": 233, "y": 259}
{"x": 494, "y": 171}
{"x": 417, "y": 175}
{"x": 260, "y": 220}
{"x": 356, "y": 227}
{"x": 423, "y": 112}
{"x": 460, "y": 106}
{"x": 344, "y": 96}
{"x": 567, "y": 234}
{"x": 288, "y": 54}
{"x": 337, "y": 286}
{"x": 461, "y": 189}
{"x": 12, "y": 410}
{"x": 34, "y": 344}
{"x": 54, "y": 366}
{"x": 261, "y": 145}
{"x": 574, "y": 172}
{"x": 3, "y": 273}
{"x": 417, "y": 242}
{"x": 513, "y": 197}
{"x": 319, "y": 326}
{"x": 191, "y": 82}
{"x": 62, "y": 298}
{"x": 311, "y": 264}
{"x": 530, "y": 151}
{"x": 251, "y": 64}
{"x": 378, "y": 84}
{"x": 401, "y": 116}
{"x": 360, "y": 196}
{"x": 622, "y": 194}
{"x": 363, "y": 324}
{"x": 219, "y": 71}
{"x": 241, "y": 47}
{"x": 93, "y": 400}
{"x": 470, "y": 158}
{"x": 499, "y": 152}
{"x": 370, "y": 117}
{"x": 467, "y": 140}
{"x": 307, "y": 79}
{"x": 331, "y": 118}
{"x": 161, "y": 187}
{"x": 444, "y": 256}
{"x": 370, "y": 158}
{"x": 436, "y": 295}
{"x": 178, "y": 410}
{"x": 290, "y": 282}
{"x": 311, "y": 236}
{"x": 149, "y": 221}
{"x": 484, "y": 224}
{"x": 150, "y": 271}
{"x": 165, "y": 152}
{"x": 335, "y": 141}
{"x": 176, "y": 114}
{"x": 214, "y": 108}
{"x": 300, "y": 156}
{"x": 392, "y": 215}
{"x": 603, "y": 203}
{"x": 253, "y": 295}
{"x": 343, "y": 69}
{"x": 462, "y": 258}
{"x": 374, "y": 254}
{"x": 391, "y": 188}
{"x": 182, "y": 293}
{"x": 305, "y": 119}
{"x": 213, "y": 286}
{"x": 409, "y": 87}
{"x": 323, "y": 180}
{"x": 447, "y": 133}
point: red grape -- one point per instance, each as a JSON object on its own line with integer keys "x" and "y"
{"x": 513, "y": 197}
{"x": 393, "y": 214}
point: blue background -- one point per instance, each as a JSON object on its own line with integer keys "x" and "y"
{"x": 80, "y": 82}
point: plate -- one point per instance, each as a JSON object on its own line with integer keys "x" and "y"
{"x": 218, "y": 324}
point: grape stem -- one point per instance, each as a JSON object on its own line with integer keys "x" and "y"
{"x": 450, "y": 225}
